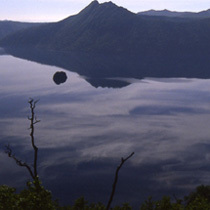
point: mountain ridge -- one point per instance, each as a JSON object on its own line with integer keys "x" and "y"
{"x": 8, "y": 27}
{"x": 105, "y": 40}
{"x": 86, "y": 23}
{"x": 107, "y": 28}
{"x": 168, "y": 13}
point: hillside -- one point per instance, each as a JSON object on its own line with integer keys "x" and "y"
{"x": 109, "y": 28}
{"x": 9, "y": 27}
{"x": 117, "y": 43}
{"x": 91, "y": 29}
{"x": 168, "y": 13}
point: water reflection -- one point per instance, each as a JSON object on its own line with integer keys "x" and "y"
{"x": 97, "y": 69}
{"x": 85, "y": 131}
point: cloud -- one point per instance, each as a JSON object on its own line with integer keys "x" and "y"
{"x": 166, "y": 110}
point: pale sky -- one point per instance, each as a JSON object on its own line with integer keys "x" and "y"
{"x": 54, "y": 10}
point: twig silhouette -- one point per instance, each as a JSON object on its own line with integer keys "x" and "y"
{"x": 33, "y": 121}
{"x": 8, "y": 150}
{"x": 116, "y": 179}
{"x": 32, "y": 170}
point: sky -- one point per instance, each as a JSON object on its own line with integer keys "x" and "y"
{"x": 55, "y": 10}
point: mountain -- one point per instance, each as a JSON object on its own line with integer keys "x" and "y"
{"x": 107, "y": 28}
{"x": 92, "y": 29}
{"x": 96, "y": 69}
{"x": 168, "y": 13}
{"x": 9, "y": 27}
{"x": 135, "y": 45}
{"x": 116, "y": 70}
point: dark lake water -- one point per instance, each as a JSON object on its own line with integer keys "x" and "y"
{"x": 84, "y": 132}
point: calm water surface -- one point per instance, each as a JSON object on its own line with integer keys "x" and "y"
{"x": 84, "y": 132}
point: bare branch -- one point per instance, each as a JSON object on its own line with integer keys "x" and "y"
{"x": 33, "y": 120}
{"x": 8, "y": 151}
{"x": 116, "y": 179}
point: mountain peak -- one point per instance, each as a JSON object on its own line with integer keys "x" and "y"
{"x": 110, "y": 4}
{"x": 94, "y": 4}
{"x": 96, "y": 10}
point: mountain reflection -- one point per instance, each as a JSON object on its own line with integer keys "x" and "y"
{"x": 98, "y": 68}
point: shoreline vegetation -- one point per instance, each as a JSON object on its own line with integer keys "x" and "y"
{"x": 30, "y": 199}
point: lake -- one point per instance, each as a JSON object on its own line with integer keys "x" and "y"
{"x": 88, "y": 124}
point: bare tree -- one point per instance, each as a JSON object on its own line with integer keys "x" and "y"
{"x": 31, "y": 169}
{"x": 116, "y": 179}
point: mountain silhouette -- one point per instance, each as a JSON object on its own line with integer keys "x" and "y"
{"x": 105, "y": 40}
{"x": 108, "y": 28}
{"x": 9, "y": 27}
{"x": 79, "y": 32}
{"x": 115, "y": 70}
{"x": 97, "y": 70}
{"x": 168, "y": 13}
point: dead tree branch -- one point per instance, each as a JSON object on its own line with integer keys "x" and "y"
{"x": 116, "y": 179}
{"x": 33, "y": 121}
{"x": 32, "y": 170}
{"x": 18, "y": 162}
